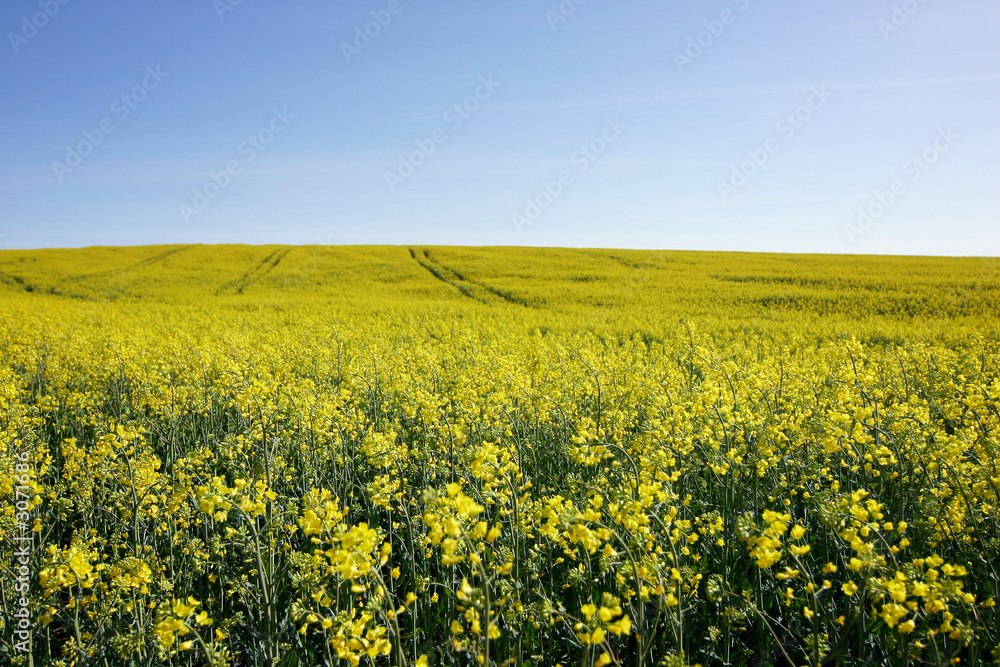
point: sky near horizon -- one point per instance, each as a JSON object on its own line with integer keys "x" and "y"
{"x": 834, "y": 126}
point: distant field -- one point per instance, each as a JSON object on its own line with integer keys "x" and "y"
{"x": 662, "y": 285}
{"x": 273, "y": 455}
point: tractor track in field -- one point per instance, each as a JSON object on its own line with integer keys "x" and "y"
{"x": 137, "y": 265}
{"x": 629, "y": 263}
{"x": 439, "y": 273}
{"x": 472, "y": 289}
{"x": 264, "y": 267}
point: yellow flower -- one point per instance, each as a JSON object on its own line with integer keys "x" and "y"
{"x": 934, "y": 606}
{"x": 623, "y": 626}
{"x": 850, "y": 588}
{"x": 182, "y": 610}
{"x": 891, "y": 613}
{"x": 167, "y": 629}
{"x": 311, "y": 523}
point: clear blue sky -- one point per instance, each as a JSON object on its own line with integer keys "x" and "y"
{"x": 665, "y": 121}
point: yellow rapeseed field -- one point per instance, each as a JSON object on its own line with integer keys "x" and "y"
{"x": 299, "y": 456}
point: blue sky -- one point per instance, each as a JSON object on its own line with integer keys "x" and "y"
{"x": 845, "y": 126}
